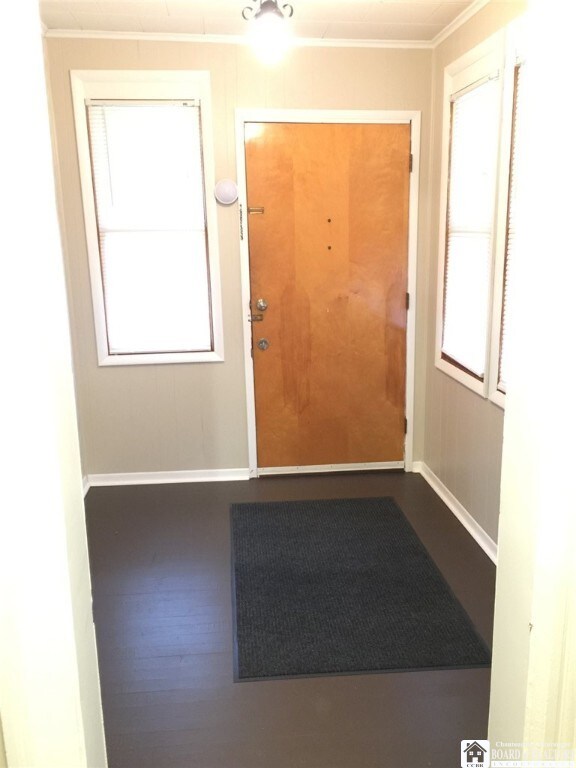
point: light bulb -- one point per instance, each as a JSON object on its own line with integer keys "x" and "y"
{"x": 270, "y": 37}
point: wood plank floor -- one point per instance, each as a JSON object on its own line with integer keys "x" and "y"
{"x": 160, "y": 563}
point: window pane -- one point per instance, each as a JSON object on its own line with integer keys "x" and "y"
{"x": 147, "y": 166}
{"x": 149, "y": 189}
{"x": 470, "y": 216}
{"x": 467, "y": 288}
{"x": 156, "y": 289}
{"x": 473, "y": 155}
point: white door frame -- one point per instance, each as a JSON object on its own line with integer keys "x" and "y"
{"x": 328, "y": 116}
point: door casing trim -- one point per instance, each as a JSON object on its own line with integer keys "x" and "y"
{"x": 413, "y": 117}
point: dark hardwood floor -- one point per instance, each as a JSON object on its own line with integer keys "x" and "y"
{"x": 160, "y": 562}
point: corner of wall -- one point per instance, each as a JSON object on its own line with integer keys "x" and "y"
{"x": 460, "y": 429}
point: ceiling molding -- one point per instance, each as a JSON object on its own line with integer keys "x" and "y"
{"x": 182, "y": 37}
{"x": 472, "y": 10}
{"x": 311, "y": 42}
{"x": 302, "y": 42}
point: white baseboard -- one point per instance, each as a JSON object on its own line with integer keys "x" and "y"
{"x": 472, "y": 526}
{"x": 316, "y": 468}
{"x": 153, "y": 478}
{"x": 215, "y": 475}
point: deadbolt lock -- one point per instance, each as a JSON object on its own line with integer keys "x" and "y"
{"x": 263, "y": 344}
{"x": 262, "y": 305}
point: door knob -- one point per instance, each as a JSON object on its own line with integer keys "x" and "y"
{"x": 262, "y": 305}
{"x": 263, "y": 344}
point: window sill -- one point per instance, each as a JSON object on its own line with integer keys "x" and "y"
{"x": 168, "y": 358}
{"x": 479, "y": 387}
{"x": 498, "y": 398}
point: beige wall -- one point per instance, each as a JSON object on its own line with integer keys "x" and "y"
{"x": 182, "y": 417}
{"x": 463, "y": 431}
{"x": 186, "y": 417}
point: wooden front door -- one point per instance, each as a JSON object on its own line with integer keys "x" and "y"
{"x": 328, "y": 240}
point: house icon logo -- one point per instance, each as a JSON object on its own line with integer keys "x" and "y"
{"x": 475, "y": 754}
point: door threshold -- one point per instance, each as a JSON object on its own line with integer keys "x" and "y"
{"x": 316, "y": 469}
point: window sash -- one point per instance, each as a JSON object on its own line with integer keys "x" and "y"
{"x": 148, "y": 184}
{"x": 472, "y": 168}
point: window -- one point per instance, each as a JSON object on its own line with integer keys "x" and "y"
{"x": 469, "y": 230}
{"x": 477, "y": 240}
{"x": 145, "y": 163}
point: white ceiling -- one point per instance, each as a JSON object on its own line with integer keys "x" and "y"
{"x": 371, "y": 20}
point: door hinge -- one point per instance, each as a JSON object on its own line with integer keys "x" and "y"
{"x": 407, "y": 301}
{"x": 411, "y": 164}
{"x": 405, "y": 426}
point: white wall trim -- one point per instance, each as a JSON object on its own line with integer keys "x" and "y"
{"x": 146, "y": 84}
{"x": 184, "y": 37}
{"x": 309, "y": 469}
{"x": 412, "y": 270}
{"x": 472, "y": 526}
{"x": 467, "y": 14}
{"x": 158, "y": 478}
{"x": 413, "y": 117}
{"x": 85, "y": 485}
{"x": 483, "y": 60}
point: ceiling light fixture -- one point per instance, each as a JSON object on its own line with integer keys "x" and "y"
{"x": 269, "y": 30}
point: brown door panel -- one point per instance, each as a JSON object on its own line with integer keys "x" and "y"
{"x": 329, "y": 255}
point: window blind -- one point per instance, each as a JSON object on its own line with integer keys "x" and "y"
{"x": 149, "y": 195}
{"x": 469, "y": 224}
{"x": 511, "y": 255}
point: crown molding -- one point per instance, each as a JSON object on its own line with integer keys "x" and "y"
{"x": 310, "y": 42}
{"x": 172, "y": 37}
{"x": 461, "y": 19}
{"x": 182, "y": 37}
{"x": 302, "y": 42}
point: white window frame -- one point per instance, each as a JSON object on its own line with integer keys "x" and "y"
{"x": 482, "y": 61}
{"x": 146, "y": 85}
{"x": 502, "y": 52}
{"x": 515, "y": 54}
